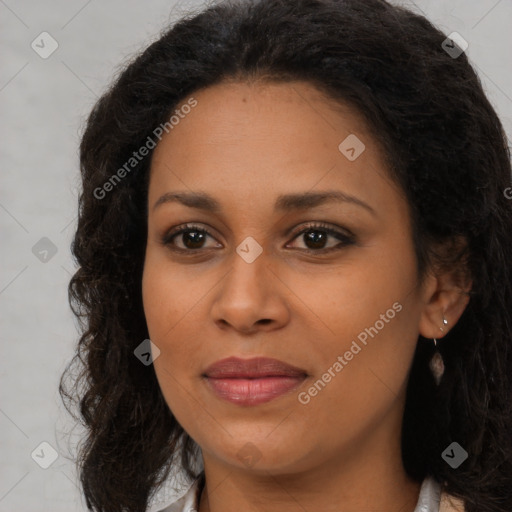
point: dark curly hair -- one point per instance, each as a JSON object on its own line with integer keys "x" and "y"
{"x": 447, "y": 150}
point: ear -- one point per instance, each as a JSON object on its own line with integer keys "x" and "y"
{"x": 445, "y": 295}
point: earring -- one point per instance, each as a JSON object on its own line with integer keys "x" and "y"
{"x": 436, "y": 363}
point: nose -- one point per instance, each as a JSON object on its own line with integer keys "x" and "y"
{"x": 250, "y": 298}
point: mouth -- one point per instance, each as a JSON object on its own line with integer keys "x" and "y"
{"x": 252, "y": 381}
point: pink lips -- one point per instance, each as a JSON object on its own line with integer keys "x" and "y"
{"x": 252, "y": 381}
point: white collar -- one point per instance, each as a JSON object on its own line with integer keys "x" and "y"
{"x": 428, "y": 500}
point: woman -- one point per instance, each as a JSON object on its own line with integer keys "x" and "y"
{"x": 292, "y": 248}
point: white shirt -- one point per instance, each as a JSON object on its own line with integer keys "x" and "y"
{"x": 428, "y": 500}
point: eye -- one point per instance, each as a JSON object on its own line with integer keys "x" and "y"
{"x": 319, "y": 237}
{"x": 190, "y": 236}
{"x": 316, "y": 237}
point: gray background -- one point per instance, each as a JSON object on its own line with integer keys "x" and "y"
{"x": 43, "y": 106}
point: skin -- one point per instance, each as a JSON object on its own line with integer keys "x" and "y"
{"x": 245, "y": 144}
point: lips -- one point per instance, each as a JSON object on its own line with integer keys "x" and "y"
{"x": 252, "y": 381}
{"x": 233, "y": 367}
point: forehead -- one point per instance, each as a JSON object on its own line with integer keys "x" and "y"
{"x": 257, "y": 140}
{"x": 229, "y": 113}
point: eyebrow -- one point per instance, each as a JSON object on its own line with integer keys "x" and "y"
{"x": 288, "y": 202}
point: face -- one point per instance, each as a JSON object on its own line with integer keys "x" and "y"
{"x": 274, "y": 233}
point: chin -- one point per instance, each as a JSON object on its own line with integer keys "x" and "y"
{"x": 259, "y": 454}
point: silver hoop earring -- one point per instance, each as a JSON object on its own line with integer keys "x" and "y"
{"x": 436, "y": 363}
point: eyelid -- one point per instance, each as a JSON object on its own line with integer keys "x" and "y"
{"x": 178, "y": 230}
{"x": 321, "y": 226}
{"x": 345, "y": 236}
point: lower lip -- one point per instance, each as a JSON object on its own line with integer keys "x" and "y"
{"x": 253, "y": 391}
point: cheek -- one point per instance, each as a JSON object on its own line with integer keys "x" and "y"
{"x": 352, "y": 297}
{"x": 168, "y": 308}
{"x": 362, "y": 372}
{"x": 370, "y": 309}
{"x": 171, "y": 295}
{"x": 175, "y": 298}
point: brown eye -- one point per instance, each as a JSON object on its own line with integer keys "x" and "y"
{"x": 316, "y": 238}
{"x": 187, "y": 238}
{"x": 321, "y": 237}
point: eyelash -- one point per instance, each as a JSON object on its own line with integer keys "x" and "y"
{"x": 346, "y": 239}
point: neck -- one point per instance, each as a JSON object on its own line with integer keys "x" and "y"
{"x": 371, "y": 479}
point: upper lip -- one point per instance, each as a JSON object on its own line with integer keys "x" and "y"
{"x": 257, "y": 367}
